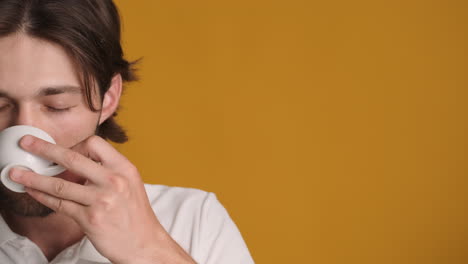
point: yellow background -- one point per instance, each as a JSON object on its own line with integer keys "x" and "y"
{"x": 332, "y": 131}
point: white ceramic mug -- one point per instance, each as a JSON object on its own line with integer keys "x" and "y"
{"x": 12, "y": 155}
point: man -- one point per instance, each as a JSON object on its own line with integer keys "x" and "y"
{"x": 62, "y": 70}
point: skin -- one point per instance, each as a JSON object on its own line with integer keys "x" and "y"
{"x": 107, "y": 201}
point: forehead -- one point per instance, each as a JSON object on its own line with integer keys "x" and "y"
{"x": 28, "y": 63}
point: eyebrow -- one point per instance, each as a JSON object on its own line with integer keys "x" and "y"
{"x": 58, "y": 90}
{"x": 52, "y": 90}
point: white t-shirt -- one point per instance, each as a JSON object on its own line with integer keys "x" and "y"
{"x": 195, "y": 220}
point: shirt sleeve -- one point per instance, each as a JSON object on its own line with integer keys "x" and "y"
{"x": 220, "y": 239}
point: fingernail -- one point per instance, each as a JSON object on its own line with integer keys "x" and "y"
{"x": 26, "y": 141}
{"x": 15, "y": 174}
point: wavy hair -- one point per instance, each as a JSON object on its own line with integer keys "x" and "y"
{"x": 89, "y": 31}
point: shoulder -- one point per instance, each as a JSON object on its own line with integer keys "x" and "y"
{"x": 171, "y": 203}
{"x": 156, "y": 191}
{"x": 163, "y": 195}
{"x": 199, "y": 223}
{"x": 182, "y": 212}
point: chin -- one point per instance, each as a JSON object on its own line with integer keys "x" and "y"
{"x": 21, "y": 204}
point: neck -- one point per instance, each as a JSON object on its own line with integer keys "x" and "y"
{"x": 52, "y": 234}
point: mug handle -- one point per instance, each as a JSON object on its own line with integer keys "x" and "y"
{"x": 16, "y": 187}
{"x": 4, "y": 175}
{"x": 51, "y": 170}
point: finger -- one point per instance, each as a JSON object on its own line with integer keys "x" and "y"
{"x": 73, "y": 161}
{"x": 96, "y": 148}
{"x": 60, "y": 206}
{"x": 54, "y": 186}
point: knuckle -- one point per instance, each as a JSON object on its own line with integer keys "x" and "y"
{"x": 105, "y": 202}
{"x": 92, "y": 140}
{"x": 95, "y": 217}
{"x": 118, "y": 184}
{"x": 59, "y": 205}
{"x": 60, "y": 186}
{"x": 70, "y": 157}
{"x": 133, "y": 170}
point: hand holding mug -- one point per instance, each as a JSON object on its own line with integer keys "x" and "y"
{"x": 12, "y": 155}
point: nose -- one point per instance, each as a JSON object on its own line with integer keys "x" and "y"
{"x": 24, "y": 115}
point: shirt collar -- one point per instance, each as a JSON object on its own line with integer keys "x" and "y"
{"x": 87, "y": 251}
{"x": 5, "y": 232}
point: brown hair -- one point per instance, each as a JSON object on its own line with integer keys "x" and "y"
{"x": 89, "y": 30}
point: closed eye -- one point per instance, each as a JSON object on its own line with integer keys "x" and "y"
{"x": 4, "y": 107}
{"x": 58, "y": 110}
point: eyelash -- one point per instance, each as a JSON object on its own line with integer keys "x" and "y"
{"x": 49, "y": 108}
{"x": 58, "y": 110}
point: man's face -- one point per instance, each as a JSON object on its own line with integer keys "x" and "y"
{"x": 39, "y": 86}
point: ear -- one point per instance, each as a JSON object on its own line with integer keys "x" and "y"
{"x": 111, "y": 98}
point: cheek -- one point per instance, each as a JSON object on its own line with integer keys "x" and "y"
{"x": 75, "y": 128}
